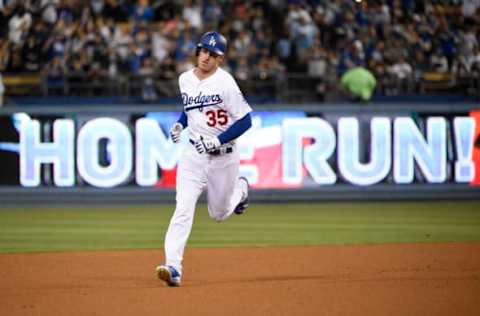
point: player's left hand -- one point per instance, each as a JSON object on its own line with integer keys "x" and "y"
{"x": 175, "y": 132}
{"x": 207, "y": 144}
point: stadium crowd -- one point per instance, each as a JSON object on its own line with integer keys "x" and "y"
{"x": 100, "y": 41}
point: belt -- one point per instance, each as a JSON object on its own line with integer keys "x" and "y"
{"x": 226, "y": 149}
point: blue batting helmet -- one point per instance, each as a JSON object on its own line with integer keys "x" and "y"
{"x": 214, "y": 42}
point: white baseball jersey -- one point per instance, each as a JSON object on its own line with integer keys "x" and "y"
{"x": 213, "y": 104}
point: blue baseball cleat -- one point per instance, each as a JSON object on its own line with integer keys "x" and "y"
{"x": 168, "y": 274}
{"x": 242, "y": 206}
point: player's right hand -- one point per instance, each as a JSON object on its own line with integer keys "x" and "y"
{"x": 207, "y": 144}
{"x": 175, "y": 132}
{"x": 200, "y": 147}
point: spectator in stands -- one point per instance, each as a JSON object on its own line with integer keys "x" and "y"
{"x": 352, "y": 56}
{"x": 304, "y": 33}
{"x": 258, "y": 21}
{"x": 317, "y": 62}
{"x": 147, "y": 76}
{"x": 359, "y": 84}
{"x": 167, "y": 71}
{"x": 242, "y": 71}
{"x": 461, "y": 67}
{"x": 212, "y": 12}
{"x": 161, "y": 44}
{"x": 96, "y": 77}
{"x": 121, "y": 46}
{"x": 15, "y": 61}
{"x": 4, "y": 54}
{"x": 420, "y": 63}
{"x": 31, "y": 54}
{"x": 447, "y": 44}
{"x": 474, "y": 60}
{"x": 97, "y": 7}
{"x": 284, "y": 47}
{"x": 375, "y": 52}
{"x": 142, "y": 11}
{"x": 192, "y": 12}
{"x": 185, "y": 45}
{"x": 5, "y": 12}
{"x": 106, "y": 28}
{"x": 19, "y": 24}
{"x": 302, "y": 29}
{"x": 55, "y": 74}
{"x": 241, "y": 45}
{"x": 143, "y": 47}
{"x": 402, "y": 74}
{"x": 438, "y": 62}
{"x": 56, "y": 45}
{"x": 317, "y": 69}
{"x": 470, "y": 8}
{"x": 268, "y": 72}
{"x": 48, "y": 11}
{"x": 475, "y": 72}
{"x": 77, "y": 68}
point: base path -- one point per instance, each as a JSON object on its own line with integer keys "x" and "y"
{"x": 394, "y": 279}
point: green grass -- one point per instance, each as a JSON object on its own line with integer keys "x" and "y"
{"x": 91, "y": 228}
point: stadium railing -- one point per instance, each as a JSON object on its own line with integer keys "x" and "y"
{"x": 292, "y": 87}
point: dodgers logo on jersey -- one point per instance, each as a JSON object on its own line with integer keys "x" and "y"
{"x": 200, "y": 101}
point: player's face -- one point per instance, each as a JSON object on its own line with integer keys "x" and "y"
{"x": 208, "y": 61}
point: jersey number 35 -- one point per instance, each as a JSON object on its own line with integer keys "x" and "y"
{"x": 215, "y": 117}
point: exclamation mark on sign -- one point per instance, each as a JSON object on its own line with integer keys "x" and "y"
{"x": 464, "y": 128}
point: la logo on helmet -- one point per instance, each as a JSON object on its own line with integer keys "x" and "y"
{"x": 212, "y": 41}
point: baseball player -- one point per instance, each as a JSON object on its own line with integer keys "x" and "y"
{"x": 216, "y": 113}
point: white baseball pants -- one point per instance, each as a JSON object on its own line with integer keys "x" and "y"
{"x": 219, "y": 175}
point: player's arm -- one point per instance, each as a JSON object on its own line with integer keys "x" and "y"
{"x": 178, "y": 127}
{"x": 237, "y": 106}
{"x": 236, "y": 130}
{"x": 183, "y": 119}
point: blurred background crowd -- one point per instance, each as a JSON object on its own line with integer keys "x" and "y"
{"x": 302, "y": 48}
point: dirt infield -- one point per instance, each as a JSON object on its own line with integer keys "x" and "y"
{"x": 399, "y": 279}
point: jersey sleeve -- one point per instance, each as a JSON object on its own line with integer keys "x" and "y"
{"x": 235, "y": 102}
